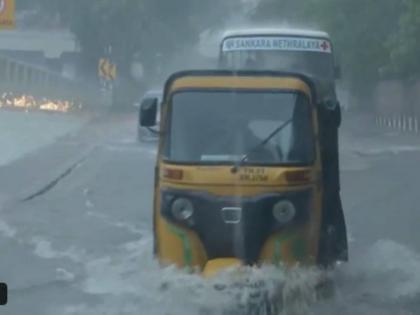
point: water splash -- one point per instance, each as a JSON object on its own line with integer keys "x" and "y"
{"x": 135, "y": 278}
{"x": 384, "y": 280}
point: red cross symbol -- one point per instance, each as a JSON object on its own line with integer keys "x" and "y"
{"x": 325, "y": 45}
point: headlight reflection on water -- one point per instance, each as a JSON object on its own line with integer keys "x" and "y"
{"x": 29, "y": 102}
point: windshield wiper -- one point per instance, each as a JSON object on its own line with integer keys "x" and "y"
{"x": 155, "y": 132}
{"x": 237, "y": 165}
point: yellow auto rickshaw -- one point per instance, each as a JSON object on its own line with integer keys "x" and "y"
{"x": 246, "y": 172}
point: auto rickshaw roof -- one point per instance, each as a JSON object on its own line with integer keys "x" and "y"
{"x": 242, "y": 79}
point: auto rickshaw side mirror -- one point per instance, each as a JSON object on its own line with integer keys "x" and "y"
{"x": 333, "y": 111}
{"x": 148, "y": 112}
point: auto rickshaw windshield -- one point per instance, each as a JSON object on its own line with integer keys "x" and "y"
{"x": 208, "y": 127}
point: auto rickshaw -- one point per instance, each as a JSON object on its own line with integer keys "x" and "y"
{"x": 246, "y": 172}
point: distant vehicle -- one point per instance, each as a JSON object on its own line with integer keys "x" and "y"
{"x": 309, "y": 52}
{"x": 149, "y": 133}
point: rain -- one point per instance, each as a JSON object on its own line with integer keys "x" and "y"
{"x": 82, "y": 172}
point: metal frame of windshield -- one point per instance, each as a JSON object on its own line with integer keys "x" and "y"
{"x": 166, "y": 144}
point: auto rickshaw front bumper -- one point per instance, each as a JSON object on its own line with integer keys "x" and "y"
{"x": 220, "y": 229}
{"x": 215, "y": 266}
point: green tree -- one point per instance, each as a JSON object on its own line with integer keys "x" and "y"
{"x": 360, "y": 31}
{"x": 404, "y": 45}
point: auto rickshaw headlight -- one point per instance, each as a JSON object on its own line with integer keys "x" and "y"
{"x": 284, "y": 211}
{"x": 182, "y": 209}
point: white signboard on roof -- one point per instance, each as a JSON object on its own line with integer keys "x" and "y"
{"x": 276, "y": 43}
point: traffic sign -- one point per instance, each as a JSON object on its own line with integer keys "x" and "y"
{"x": 107, "y": 70}
{"x": 7, "y": 14}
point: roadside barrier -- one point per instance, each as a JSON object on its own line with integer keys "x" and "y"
{"x": 25, "y": 81}
{"x": 402, "y": 123}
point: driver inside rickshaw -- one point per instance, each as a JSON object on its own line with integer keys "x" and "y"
{"x": 240, "y": 140}
{"x": 224, "y": 127}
